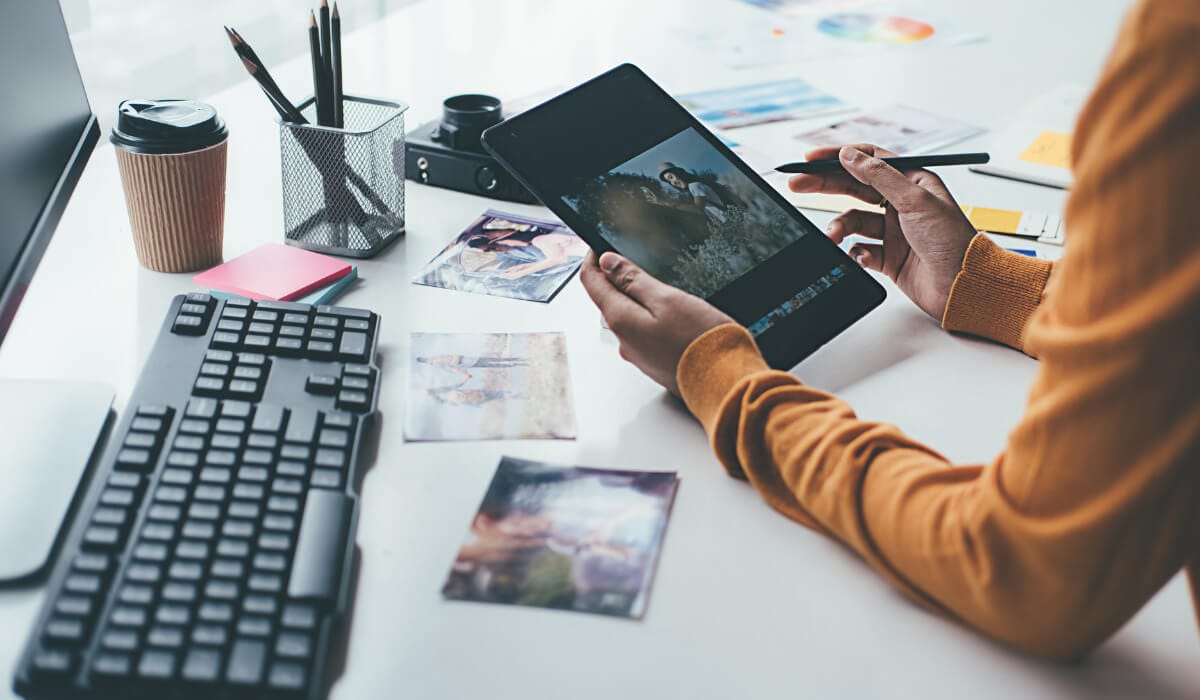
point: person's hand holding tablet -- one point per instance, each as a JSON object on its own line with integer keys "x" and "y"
{"x": 923, "y": 234}
{"x": 655, "y": 322}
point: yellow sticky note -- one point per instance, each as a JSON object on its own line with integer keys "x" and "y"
{"x": 994, "y": 220}
{"x": 1051, "y": 148}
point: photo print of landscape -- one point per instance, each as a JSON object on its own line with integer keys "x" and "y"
{"x": 569, "y": 538}
{"x": 686, "y": 214}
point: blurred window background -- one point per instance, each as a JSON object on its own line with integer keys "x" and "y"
{"x": 177, "y": 48}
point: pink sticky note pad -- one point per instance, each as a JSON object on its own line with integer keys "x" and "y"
{"x": 274, "y": 271}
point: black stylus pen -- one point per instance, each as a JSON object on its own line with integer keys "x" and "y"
{"x": 833, "y": 165}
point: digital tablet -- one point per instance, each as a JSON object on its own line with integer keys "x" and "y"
{"x": 630, "y": 170}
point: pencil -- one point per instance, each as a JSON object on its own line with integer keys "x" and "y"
{"x": 833, "y": 165}
{"x": 256, "y": 69}
{"x": 336, "y": 61}
{"x": 287, "y": 111}
{"x": 314, "y": 47}
{"x": 327, "y": 66}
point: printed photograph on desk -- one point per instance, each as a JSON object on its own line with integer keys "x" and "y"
{"x": 761, "y": 103}
{"x": 489, "y": 386}
{"x": 899, "y": 129}
{"x": 566, "y": 538}
{"x": 506, "y": 255}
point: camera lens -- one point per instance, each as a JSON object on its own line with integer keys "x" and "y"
{"x": 464, "y": 117}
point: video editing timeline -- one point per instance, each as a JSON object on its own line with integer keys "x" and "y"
{"x": 801, "y": 298}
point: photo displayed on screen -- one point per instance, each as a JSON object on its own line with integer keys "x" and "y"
{"x": 686, "y": 214}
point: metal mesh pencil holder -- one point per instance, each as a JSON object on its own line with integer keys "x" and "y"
{"x": 343, "y": 189}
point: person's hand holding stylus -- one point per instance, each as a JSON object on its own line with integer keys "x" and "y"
{"x": 922, "y": 235}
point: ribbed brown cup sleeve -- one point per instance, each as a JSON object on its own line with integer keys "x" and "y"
{"x": 176, "y": 205}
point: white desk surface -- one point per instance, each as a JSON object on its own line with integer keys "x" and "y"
{"x": 746, "y": 604}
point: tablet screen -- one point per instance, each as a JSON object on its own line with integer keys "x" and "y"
{"x": 628, "y": 169}
{"x": 686, "y": 214}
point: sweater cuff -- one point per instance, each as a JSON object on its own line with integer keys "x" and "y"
{"x": 995, "y": 293}
{"x": 712, "y": 365}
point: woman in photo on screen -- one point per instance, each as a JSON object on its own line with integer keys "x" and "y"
{"x": 1091, "y": 508}
{"x": 703, "y": 195}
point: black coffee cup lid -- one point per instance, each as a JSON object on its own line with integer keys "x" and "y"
{"x": 167, "y": 126}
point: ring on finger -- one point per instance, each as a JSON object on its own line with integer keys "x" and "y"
{"x": 883, "y": 203}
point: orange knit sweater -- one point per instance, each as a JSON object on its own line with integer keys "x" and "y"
{"x": 1095, "y": 502}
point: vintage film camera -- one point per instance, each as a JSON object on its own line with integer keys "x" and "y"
{"x": 448, "y": 153}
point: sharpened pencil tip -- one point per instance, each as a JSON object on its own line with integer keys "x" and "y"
{"x": 335, "y": 12}
{"x": 233, "y": 39}
{"x": 312, "y": 18}
{"x": 325, "y": 4}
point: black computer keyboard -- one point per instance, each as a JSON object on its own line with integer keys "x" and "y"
{"x": 211, "y": 555}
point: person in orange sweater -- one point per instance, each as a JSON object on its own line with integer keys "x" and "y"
{"x": 1095, "y": 502}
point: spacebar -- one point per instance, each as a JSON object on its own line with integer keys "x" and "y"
{"x": 318, "y": 564}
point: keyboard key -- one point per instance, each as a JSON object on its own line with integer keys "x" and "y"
{"x": 218, "y": 356}
{"x": 324, "y": 321}
{"x": 170, "y": 494}
{"x": 242, "y": 388}
{"x": 92, "y": 563}
{"x": 246, "y": 661}
{"x": 189, "y": 442}
{"x": 326, "y": 478}
{"x": 165, "y": 636}
{"x": 210, "y": 492}
{"x": 172, "y": 614}
{"x": 208, "y": 386}
{"x": 225, "y": 339}
{"x": 238, "y": 528}
{"x": 236, "y": 409}
{"x": 141, "y": 440}
{"x": 204, "y": 511}
{"x": 49, "y": 663}
{"x": 295, "y": 318}
{"x": 261, "y": 328}
{"x": 269, "y": 418}
{"x": 112, "y": 666}
{"x": 258, "y": 342}
{"x": 200, "y": 298}
{"x": 186, "y": 460}
{"x": 250, "y": 373}
{"x": 265, "y": 583}
{"x": 179, "y": 592}
{"x": 261, "y": 457}
{"x": 228, "y": 568}
{"x": 248, "y": 491}
{"x": 290, "y": 331}
{"x": 185, "y": 571}
{"x": 283, "y": 504}
{"x": 98, "y": 537}
{"x": 290, "y": 486}
{"x": 119, "y": 498}
{"x": 300, "y": 616}
{"x": 136, "y": 459}
{"x": 345, "y": 312}
{"x": 257, "y": 474}
{"x": 274, "y": 542}
{"x": 226, "y": 441}
{"x": 353, "y": 346}
{"x": 244, "y": 509}
{"x": 357, "y": 370}
{"x": 201, "y": 408}
{"x": 353, "y": 400}
{"x": 358, "y": 383}
{"x": 263, "y": 441}
{"x": 324, "y": 334}
{"x": 190, "y": 549}
{"x": 239, "y": 549}
{"x": 195, "y": 426}
{"x": 269, "y": 561}
{"x": 166, "y": 512}
{"x": 331, "y": 458}
{"x": 215, "y": 369}
{"x": 216, "y": 612}
{"x": 293, "y": 645}
{"x": 74, "y": 606}
{"x": 199, "y": 529}
{"x": 291, "y": 469}
{"x": 147, "y": 424}
{"x": 179, "y": 477}
{"x": 161, "y": 532}
{"x": 85, "y": 584}
{"x": 154, "y": 410}
{"x": 339, "y": 419}
{"x": 221, "y": 590}
{"x": 288, "y": 676}
{"x": 202, "y": 665}
{"x": 320, "y": 348}
{"x": 216, "y": 475}
{"x": 150, "y": 551}
{"x": 282, "y": 523}
{"x": 321, "y": 384}
{"x": 333, "y": 437}
{"x": 157, "y": 664}
{"x": 254, "y": 626}
{"x": 214, "y": 635}
{"x": 357, "y": 325}
{"x": 302, "y": 426}
{"x": 115, "y": 517}
{"x": 236, "y": 303}
{"x": 136, "y": 594}
{"x": 120, "y": 640}
{"x": 320, "y": 547}
{"x": 128, "y": 616}
{"x": 143, "y": 573}
{"x": 265, "y": 315}
{"x": 296, "y": 452}
{"x": 187, "y": 324}
{"x": 260, "y": 605}
{"x": 64, "y": 632}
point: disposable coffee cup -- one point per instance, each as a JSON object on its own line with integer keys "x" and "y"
{"x": 171, "y": 155}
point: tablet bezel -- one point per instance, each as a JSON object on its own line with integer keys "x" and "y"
{"x": 579, "y": 113}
